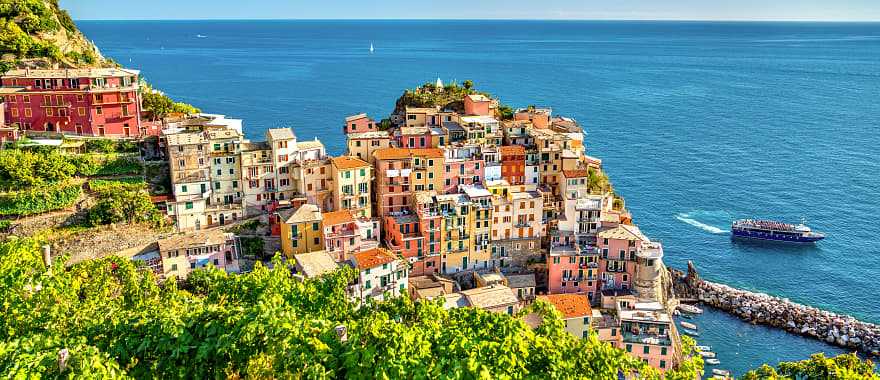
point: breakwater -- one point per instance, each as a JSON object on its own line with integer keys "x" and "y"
{"x": 759, "y": 308}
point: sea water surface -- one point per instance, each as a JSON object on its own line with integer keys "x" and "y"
{"x": 697, "y": 124}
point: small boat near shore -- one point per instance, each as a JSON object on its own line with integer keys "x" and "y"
{"x": 703, "y": 348}
{"x": 690, "y": 332}
{"x": 691, "y": 309}
{"x": 707, "y": 354}
{"x": 688, "y": 325}
{"x": 721, "y": 372}
{"x": 713, "y": 361}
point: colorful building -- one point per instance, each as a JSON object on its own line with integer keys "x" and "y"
{"x": 363, "y": 144}
{"x": 341, "y": 234}
{"x": 619, "y": 247}
{"x": 303, "y": 231}
{"x": 178, "y": 256}
{"x": 478, "y": 105}
{"x": 577, "y": 315}
{"x": 380, "y": 274}
{"x": 400, "y": 172}
{"x": 89, "y": 102}
{"x": 358, "y": 124}
{"x": 513, "y": 164}
{"x": 352, "y": 180}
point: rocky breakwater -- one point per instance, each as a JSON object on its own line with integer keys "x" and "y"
{"x": 760, "y": 308}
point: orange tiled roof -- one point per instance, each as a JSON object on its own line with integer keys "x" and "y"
{"x": 570, "y": 305}
{"x": 398, "y": 153}
{"x": 512, "y": 149}
{"x": 373, "y": 258}
{"x": 349, "y": 162}
{"x": 337, "y": 217}
{"x": 576, "y": 173}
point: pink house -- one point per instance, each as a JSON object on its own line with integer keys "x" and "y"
{"x": 359, "y": 123}
{"x": 462, "y": 171}
{"x": 573, "y": 267}
{"x": 478, "y": 105}
{"x": 341, "y": 234}
{"x": 413, "y": 137}
{"x": 618, "y": 247}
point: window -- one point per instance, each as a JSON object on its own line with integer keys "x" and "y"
{"x": 189, "y": 205}
{"x": 663, "y": 351}
{"x": 629, "y": 348}
{"x": 367, "y": 284}
{"x": 646, "y": 350}
{"x": 99, "y": 111}
{"x": 173, "y": 267}
{"x": 613, "y": 332}
{"x": 317, "y": 241}
{"x": 663, "y": 364}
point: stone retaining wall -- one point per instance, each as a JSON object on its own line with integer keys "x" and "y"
{"x": 759, "y": 308}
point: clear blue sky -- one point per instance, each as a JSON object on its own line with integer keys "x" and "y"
{"x": 856, "y": 10}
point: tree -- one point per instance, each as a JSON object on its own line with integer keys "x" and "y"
{"x": 818, "y": 367}
{"x": 468, "y": 84}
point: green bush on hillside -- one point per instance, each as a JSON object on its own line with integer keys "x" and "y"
{"x": 123, "y": 203}
{"x": 25, "y": 168}
{"x": 39, "y": 199}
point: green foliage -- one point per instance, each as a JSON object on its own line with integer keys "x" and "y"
{"x": 842, "y": 367}
{"x": 158, "y": 105}
{"x": 252, "y": 247}
{"x": 39, "y": 199}
{"x": 26, "y": 168}
{"x": 118, "y": 165}
{"x": 120, "y": 202}
{"x": 5, "y": 224}
{"x": 428, "y": 95}
{"x": 116, "y": 321}
{"x": 124, "y": 183}
{"x": 504, "y": 112}
{"x": 598, "y": 182}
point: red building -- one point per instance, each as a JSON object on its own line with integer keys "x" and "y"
{"x": 90, "y": 102}
{"x": 513, "y": 164}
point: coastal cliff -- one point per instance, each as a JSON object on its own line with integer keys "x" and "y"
{"x": 39, "y": 34}
{"x": 760, "y": 308}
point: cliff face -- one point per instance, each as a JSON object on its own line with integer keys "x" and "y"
{"x": 38, "y": 33}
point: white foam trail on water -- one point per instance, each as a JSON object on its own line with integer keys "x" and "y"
{"x": 700, "y": 225}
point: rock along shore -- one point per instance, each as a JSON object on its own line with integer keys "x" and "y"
{"x": 759, "y": 308}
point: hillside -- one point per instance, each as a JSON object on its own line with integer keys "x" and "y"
{"x": 447, "y": 97}
{"x": 38, "y": 33}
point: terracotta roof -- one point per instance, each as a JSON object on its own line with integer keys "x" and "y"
{"x": 399, "y": 153}
{"x": 570, "y": 305}
{"x": 576, "y": 173}
{"x": 512, "y": 149}
{"x": 623, "y": 232}
{"x": 70, "y": 73}
{"x": 348, "y": 162}
{"x": 337, "y": 217}
{"x": 373, "y": 258}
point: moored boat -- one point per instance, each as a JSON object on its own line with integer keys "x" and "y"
{"x": 690, "y": 309}
{"x": 707, "y": 354}
{"x": 771, "y": 230}
{"x": 703, "y": 348}
{"x": 690, "y": 332}
{"x": 720, "y": 372}
{"x": 713, "y": 361}
{"x": 688, "y": 325}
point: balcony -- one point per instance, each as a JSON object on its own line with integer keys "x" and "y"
{"x": 646, "y": 338}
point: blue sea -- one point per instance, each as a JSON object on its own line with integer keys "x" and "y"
{"x": 698, "y": 124}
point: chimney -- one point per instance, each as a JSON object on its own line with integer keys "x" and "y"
{"x": 47, "y": 256}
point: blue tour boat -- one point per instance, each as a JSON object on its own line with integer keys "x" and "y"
{"x": 774, "y": 231}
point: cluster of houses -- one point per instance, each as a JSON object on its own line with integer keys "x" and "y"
{"x": 445, "y": 204}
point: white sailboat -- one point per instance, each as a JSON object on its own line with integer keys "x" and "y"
{"x": 371, "y": 47}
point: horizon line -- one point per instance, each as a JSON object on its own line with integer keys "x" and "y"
{"x": 501, "y": 19}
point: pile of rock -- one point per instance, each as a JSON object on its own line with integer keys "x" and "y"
{"x": 760, "y": 308}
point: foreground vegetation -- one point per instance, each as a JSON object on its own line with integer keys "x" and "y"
{"x": 106, "y": 319}
{"x": 115, "y": 321}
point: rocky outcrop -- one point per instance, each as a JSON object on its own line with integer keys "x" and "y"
{"x": 759, "y": 308}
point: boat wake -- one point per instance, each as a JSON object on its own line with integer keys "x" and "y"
{"x": 703, "y": 226}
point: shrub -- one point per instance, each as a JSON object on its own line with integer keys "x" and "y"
{"x": 126, "y": 183}
{"x": 39, "y": 200}
{"x": 120, "y": 203}
{"x": 20, "y": 168}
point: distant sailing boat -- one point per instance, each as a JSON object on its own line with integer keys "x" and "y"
{"x": 371, "y": 47}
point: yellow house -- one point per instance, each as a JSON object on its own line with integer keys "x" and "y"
{"x": 576, "y": 312}
{"x": 303, "y": 231}
{"x": 352, "y": 179}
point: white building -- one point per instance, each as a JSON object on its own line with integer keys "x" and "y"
{"x": 380, "y": 274}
